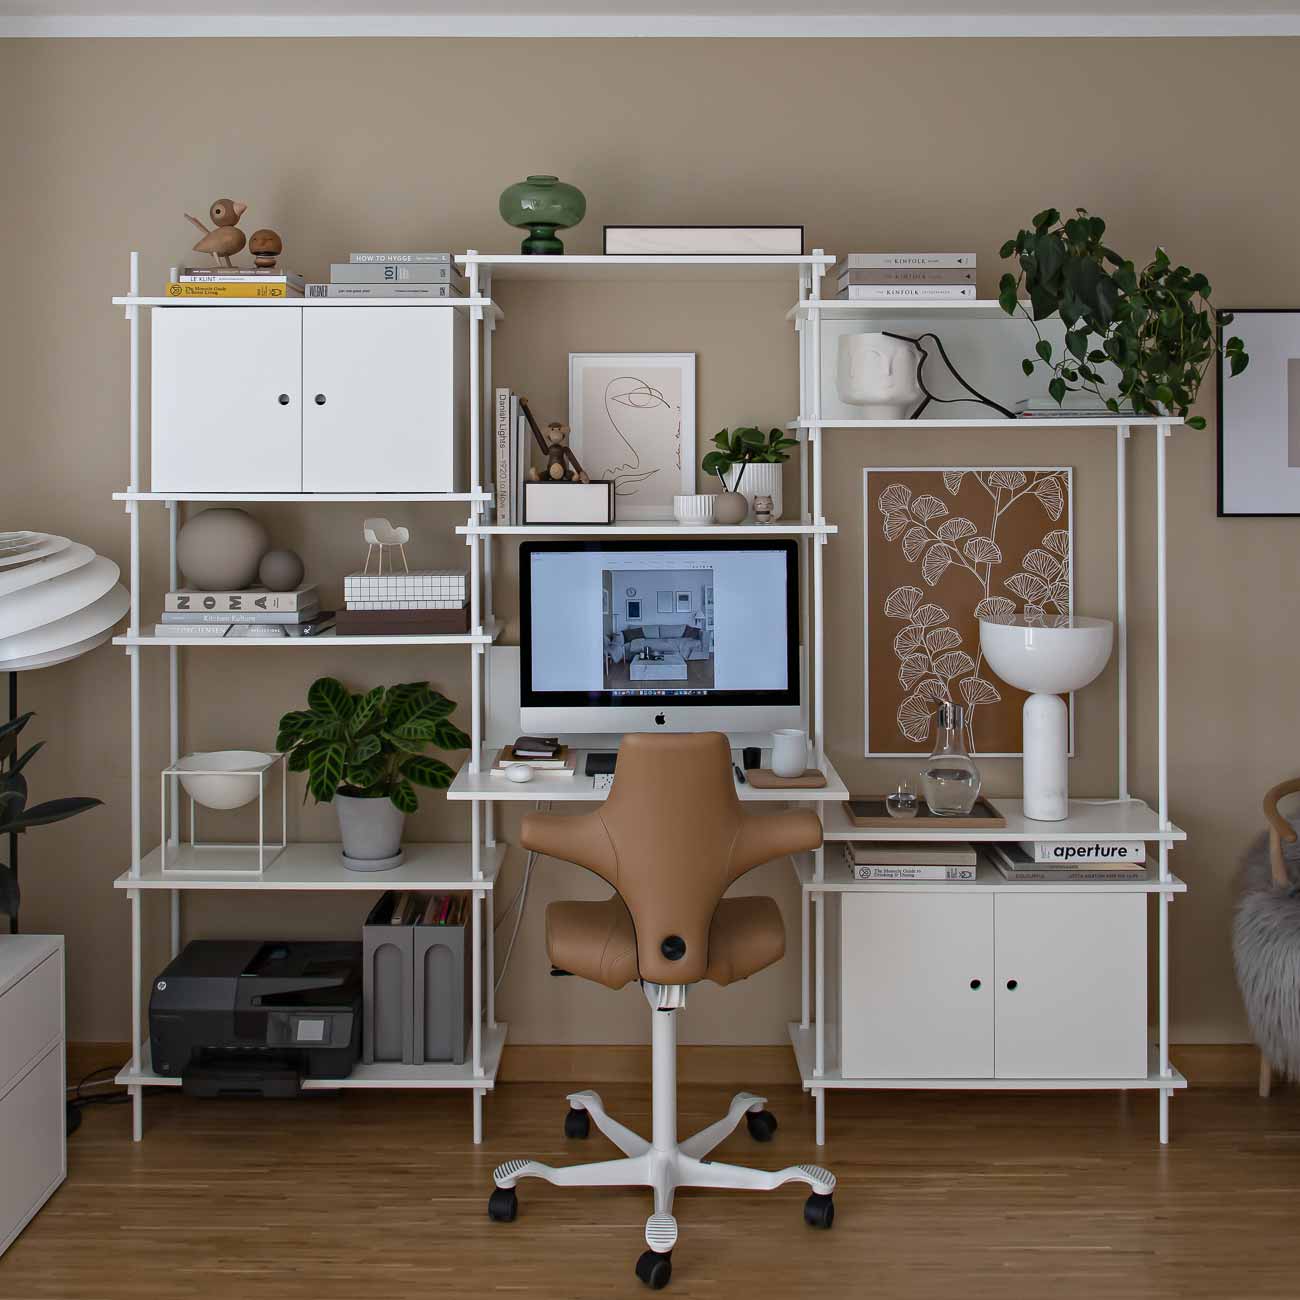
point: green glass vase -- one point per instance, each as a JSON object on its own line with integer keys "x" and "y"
{"x": 542, "y": 205}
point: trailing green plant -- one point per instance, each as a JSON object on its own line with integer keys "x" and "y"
{"x": 749, "y": 446}
{"x": 1155, "y": 325}
{"x": 371, "y": 745}
{"x": 15, "y": 815}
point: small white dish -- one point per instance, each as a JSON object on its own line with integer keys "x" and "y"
{"x": 519, "y": 772}
{"x": 223, "y": 780}
{"x": 371, "y": 864}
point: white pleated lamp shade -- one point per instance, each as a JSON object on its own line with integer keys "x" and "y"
{"x": 58, "y": 599}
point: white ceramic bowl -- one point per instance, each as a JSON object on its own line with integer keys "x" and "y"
{"x": 1047, "y": 659}
{"x": 694, "y": 511}
{"x": 223, "y": 780}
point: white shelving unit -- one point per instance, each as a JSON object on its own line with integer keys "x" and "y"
{"x": 470, "y": 867}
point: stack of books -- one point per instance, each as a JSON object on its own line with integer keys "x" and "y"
{"x": 1091, "y": 861}
{"x": 253, "y": 612}
{"x": 541, "y": 753}
{"x": 512, "y": 451}
{"x": 891, "y": 860}
{"x": 392, "y": 275}
{"x": 421, "y": 602}
{"x": 233, "y": 282}
{"x": 1075, "y": 407}
{"x": 905, "y": 277}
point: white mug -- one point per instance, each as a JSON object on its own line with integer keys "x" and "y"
{"x": 789, "y": 752}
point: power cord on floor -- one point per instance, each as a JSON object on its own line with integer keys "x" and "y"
{"x": 118, "y": 1097}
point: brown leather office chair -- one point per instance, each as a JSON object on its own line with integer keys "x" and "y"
{"x": 671, "y": 838}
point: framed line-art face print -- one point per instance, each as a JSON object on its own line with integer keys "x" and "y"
{"x": 943, "y": 548}
{"x": 1259, "y": 417}
{"x": 632, "y": 421}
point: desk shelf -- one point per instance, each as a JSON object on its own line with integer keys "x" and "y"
{"x": 329, "y": 637}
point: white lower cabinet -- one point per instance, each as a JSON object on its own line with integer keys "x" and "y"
{"x": 984, "y": 985}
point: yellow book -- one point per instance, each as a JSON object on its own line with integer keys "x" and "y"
{"x": 252, "y": 290}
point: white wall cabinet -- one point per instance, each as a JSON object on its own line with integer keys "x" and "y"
{"x": 33, "y": 1124}
{"x": 993, "y": 985}
{"x": 308, "y": 399}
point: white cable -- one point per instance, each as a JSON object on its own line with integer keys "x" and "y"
{"x": 514, "y": 934}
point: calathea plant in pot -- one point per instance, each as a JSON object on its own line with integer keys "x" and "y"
{"x": 1154, "y": 326}
{"x": 16, "y": 814}
{"x": 365, "y": 753}
{"x": 751, "y": 457}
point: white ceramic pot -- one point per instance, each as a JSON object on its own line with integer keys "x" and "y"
{"x": 371, "y": 830}
{"x": 878, "y": 373}
{"x": 757, "y": 481}
{"x": 695, "y": 511}
{"x": 228, "y": 778}
{"x": 789, "y": 752}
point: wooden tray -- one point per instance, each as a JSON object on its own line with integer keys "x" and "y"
{"x": 871, "y": 814}
{"x": 763, "y": 778}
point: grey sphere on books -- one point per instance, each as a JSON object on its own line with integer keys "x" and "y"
{"x": 220, "y": 549}
{"x": 280, "y": 570}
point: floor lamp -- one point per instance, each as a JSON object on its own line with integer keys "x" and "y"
{"x": 58, "y": 599}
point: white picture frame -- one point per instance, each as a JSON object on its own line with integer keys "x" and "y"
{"x": 632, "y": 421}
{"x": 684, "y": 605}
{"x": 665, "y": 602}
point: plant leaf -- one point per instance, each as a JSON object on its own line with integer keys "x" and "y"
{"x": 1048, "y": 491}
{"x": 368, "y": 706}
{"x": 45, "y": 814}
{"x": 20, "y": 763}
{"x": 1028, "y": 587}
{"x": 956, "y": 528}
{"x": 952, "y": 481}
{"x": 902, "y": 602}
{"x": 427, "y": 771}
{"x": 404, "y": 797}
{"x": 329, "y": 697}
{"x": 909, "y": 640}
{"x": 325, "y": 763}
{"x": 1058, "y": 542}
{"x": 983, "y": 550}
{"x": 994, "y": 608}
{"x": 914, "y": 718}
{"x": 10, "y": 894}
{"x": 928, "y": 507}
{"x": 447, "y": 735}
{"x": 1041, "y": 563}
{"x": 912, "y": 669}
{"x": 941, "y": 639}
{"x": 930, "y": 615}
{"x": 956, "y": 663}
{"x": 365, "y": 748}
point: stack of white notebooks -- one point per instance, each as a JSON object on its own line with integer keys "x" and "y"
{"x": 905, "y": 277}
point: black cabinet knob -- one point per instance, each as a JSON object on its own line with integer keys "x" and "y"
{"x": 283, "y": 399}
{"x": 320, "y": 399}
{"x": 1013, "y": 984}
{"x": 975, "y": 984}
{"x": 673, "y": 947}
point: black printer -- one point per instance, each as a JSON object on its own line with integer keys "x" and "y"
{"x": 253, "y": 1018}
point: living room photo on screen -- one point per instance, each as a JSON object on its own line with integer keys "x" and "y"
{"x": 657, "y": 629}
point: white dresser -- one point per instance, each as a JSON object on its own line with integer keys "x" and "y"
{"x": 33, "y": 1127}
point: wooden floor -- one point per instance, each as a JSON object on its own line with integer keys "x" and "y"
{"x": 959, "y": 1197}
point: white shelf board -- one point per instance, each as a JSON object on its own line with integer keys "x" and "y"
{"x": 988, "y": 877}
{"x": 382, "y": 1074}
{"x": 305, "y": 498}
{"x": 804, "y": 1042}
{"x": 598, "y": 266}
{"x": 1083, "y": 422}
{"x": 490, "y": 308}
{"x": 1134, "y": 820}
{"x": 910, "y": 309}
{"x": 491, "y": 630}
{"x": 556, "y": 787}
{"x": 314, "y": 867}
{"x": 649, "y": 528}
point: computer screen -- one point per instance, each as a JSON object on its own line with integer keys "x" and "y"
{"x": 672, "y": 626}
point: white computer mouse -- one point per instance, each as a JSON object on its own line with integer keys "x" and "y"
{"x": 520, "y": 772}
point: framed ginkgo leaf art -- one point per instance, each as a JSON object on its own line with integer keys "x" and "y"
{"x": 944, "y": 547}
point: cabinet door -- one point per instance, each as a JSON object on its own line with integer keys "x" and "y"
{"x": 383, "y": 396}
{"x": 916, "y": 971}
{"x": 1071, "y": 986}
{"x": 227, "y": 399}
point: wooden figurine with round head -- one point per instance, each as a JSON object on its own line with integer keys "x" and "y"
{"x": 266, "y": 247}
{"x": 226, "y": 238}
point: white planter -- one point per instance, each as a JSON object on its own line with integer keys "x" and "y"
{"x": 371, "y": 830}
{"x": 757, "y": 481}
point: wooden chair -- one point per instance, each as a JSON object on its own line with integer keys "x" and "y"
{"x": 1280, "y": 831}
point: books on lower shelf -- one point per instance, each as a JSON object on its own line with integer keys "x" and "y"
{"x": 402, "y": 622}
{"x": 320, "y": 290}
{"x": 392, "y": 275}
{"x": 1017, "y": 863}
{"x": 410, "y": 908}
{"x": 1073, "y": 408}
{"x": 882, "y": 277}
{"x": 897, "y": 261}
{"x": 233, "y": 282}
{"x": 397, "y": 273}
{"x": 890, "y": 860}
{"x": 251, "y": 599}
{"x": 303, "y": 615}
{"x": 905, "y": 292}
{"x": 563, "y": 762}
{"x": 217, "y": 629}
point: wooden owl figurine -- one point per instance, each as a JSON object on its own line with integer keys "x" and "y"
{"x": 225, "y": 238}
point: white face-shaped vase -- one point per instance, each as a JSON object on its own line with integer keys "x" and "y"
{"x": 878, "y": 373}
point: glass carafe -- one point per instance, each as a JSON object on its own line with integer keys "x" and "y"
{"x": 950, "y": 780}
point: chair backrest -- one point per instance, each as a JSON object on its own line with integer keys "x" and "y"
{"x": 671, "y": 838}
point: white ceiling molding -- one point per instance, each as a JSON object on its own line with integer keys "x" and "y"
{"x": 720, "y": 26}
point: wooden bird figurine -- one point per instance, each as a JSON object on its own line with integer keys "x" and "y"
{"x": 225, "y": 238}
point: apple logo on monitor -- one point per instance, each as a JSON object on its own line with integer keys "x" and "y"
{"x": 661, "y": 720}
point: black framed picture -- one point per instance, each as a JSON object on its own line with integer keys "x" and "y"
{"x": 1259, "y": 416}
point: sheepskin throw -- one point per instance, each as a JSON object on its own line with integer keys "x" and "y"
{"x": 1266, "y": 953}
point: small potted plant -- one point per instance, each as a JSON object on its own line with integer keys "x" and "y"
{"x": 1154, "y": 329}
{"x": 16, "y": 816}
{"x": 365, "y": 753}
{"x": 751, "y": 457}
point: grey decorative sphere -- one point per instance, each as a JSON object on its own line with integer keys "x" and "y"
{"x": 280, "y": 570}
{"x": 220, "y": 549}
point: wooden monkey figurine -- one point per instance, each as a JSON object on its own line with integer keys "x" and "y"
{"x": 561, "y": 464}
{"x": 266, "y": 247}
{"x": 226, "y": 238}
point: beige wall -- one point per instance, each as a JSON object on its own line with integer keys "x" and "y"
{"x": 347, "y": 144}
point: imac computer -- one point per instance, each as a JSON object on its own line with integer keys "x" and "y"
{"x": 689, "y": 635}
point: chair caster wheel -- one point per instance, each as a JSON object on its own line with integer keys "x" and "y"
{"x": 577, "y": 1124}
{"x": 503, "y": 1205}
{"x": 654, "y": 1269}
{"x": 762, "y": 1124}
{"x": 819, "y": 1210}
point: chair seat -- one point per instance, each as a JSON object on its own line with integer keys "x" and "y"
{"x": 597, "y": 940}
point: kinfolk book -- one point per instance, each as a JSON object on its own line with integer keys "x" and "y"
{"x": 876, "y": 261}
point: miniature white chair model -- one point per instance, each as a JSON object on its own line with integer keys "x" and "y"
{"x": 671, "y": 838}
{"x": 380, "y": 533}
